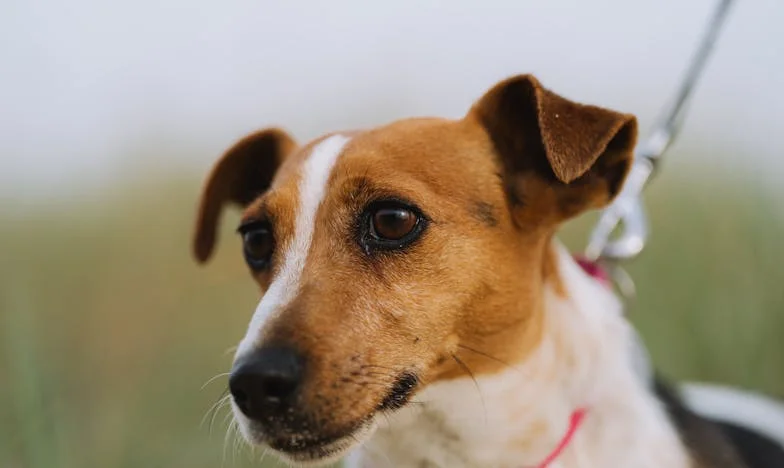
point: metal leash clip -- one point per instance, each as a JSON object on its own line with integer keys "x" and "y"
{"x": 626, "y": 213}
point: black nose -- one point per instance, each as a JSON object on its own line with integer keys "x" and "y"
{"x": 265, "y": 382}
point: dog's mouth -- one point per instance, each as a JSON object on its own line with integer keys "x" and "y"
{"x": 310, "y": 446}
{"x": 400, "y": 393}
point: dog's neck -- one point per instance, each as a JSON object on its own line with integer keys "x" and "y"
{"x": 516, "y": 418}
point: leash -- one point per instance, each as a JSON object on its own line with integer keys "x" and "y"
{"x": 603, "y": 255}
{"x": 627, "y": 213}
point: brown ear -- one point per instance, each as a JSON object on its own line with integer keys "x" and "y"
{"x": 536, "y": 130}
{"x": 243, "y": 173}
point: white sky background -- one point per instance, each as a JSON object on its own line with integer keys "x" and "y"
{"x": 91, "y": 88}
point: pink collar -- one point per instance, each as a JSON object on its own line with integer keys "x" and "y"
{"x": 600, "y": 274}
{"x": 594, "y": 269}
{"x": 574, "y": 423}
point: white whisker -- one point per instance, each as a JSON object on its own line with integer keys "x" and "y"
{"x": 231, "y": 430}
{"x": 223, "y": 403}
{"x": 212, "y": 379}
{"x": 213, "y": 411}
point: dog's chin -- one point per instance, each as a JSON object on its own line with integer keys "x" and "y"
{"x": 300, "y": 451}
{"x": 330, "y": 452}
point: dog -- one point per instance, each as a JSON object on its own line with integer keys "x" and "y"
{"x": 418, "y": 311}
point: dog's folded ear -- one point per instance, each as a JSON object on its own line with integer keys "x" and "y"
{"x": 243, "y": 173}
{"x": 566, "y": 143}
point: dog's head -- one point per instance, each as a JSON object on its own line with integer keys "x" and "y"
{"x": 396, "y": 257}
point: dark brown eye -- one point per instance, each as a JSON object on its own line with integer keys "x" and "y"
{"x": 258, "y": 244}
{"x": 390, "y": 224}
{"x": 393, "y": 223}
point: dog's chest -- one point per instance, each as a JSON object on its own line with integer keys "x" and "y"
{"x": 428, "y": 441}
{"x": 508, "y": 421}
{"x": 434, "y": 440}
{"x": 462, "y": 424}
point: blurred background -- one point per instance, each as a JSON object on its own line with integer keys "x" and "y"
{"x": 112, "y": 112}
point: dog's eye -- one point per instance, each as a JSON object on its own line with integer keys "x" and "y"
{"x": 391, "y": 225}
{"x": 258, "y": 244}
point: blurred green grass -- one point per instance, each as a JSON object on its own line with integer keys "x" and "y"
{"x": 108, "y": 330}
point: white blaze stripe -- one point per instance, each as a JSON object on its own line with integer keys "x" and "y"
{"x": 312, "y": 187}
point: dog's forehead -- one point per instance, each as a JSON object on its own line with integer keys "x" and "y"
{"x": 442, "y": 154}
{"x": 419, "y": 146}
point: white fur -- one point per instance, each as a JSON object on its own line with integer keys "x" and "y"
{"x": 517, "y": 417}
{"x": 743, "y": 408}
{"x": 312, "y": 187}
